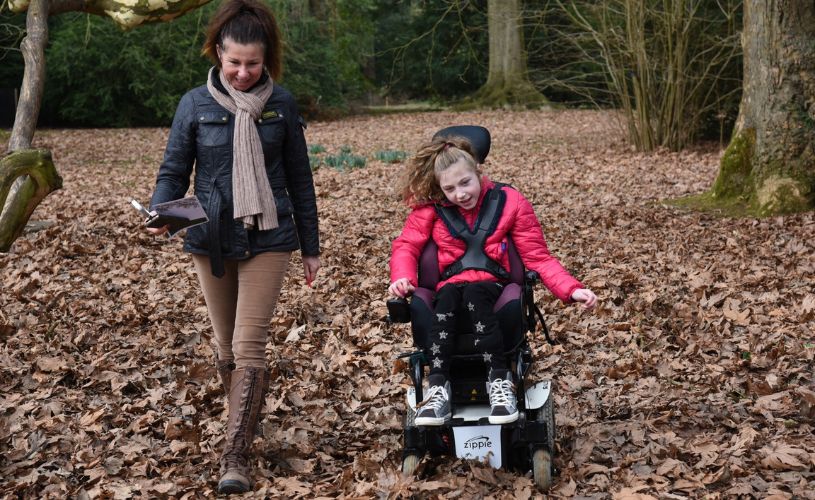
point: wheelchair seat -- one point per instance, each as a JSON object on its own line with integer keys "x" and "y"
{"x": 508, "y": 308}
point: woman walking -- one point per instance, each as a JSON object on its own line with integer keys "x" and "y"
{"x": 243, "y": 137}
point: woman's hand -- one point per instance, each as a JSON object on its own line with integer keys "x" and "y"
{"x": 586, "y": 297}
{"x": 401, "y": 288}
{"x": 311, "y": 263}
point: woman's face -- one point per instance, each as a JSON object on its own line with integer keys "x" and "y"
{"x": 242, "y": 64}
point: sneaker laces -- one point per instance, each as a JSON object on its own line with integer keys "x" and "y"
{"x": 435, "y": 399}
{"x": 501, "y": 392}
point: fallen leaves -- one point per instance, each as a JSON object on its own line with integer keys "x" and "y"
{"x": 693, "y": 378}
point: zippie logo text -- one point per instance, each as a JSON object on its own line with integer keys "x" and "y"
{"x": 478, "y": 443}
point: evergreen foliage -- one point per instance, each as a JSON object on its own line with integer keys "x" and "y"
{"x": 100, "y": 76}
{"x": 434, "y": 49}
{"x": 325, "y": 52}
{"x": 337, "y": 54}
{"x": 12, "y": 28}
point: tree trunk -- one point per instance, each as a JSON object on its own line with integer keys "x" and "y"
{"x": 42, "y": 178}
{"x": 33, "y": 49}
{"x": 507, "y": 81}
{"x": 770, "y": 162}
{"x": 21, "y": 193}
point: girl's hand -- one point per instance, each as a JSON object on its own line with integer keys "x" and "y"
{"x": 401, "y": 288}
{"x": 311, "y": 263}
{"x": 157, "y": 231}
{"x": 586, "y": 296}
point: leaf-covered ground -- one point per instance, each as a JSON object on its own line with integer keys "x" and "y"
{"x": 694, "y": 376}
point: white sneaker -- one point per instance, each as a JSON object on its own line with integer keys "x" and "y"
{"x": 502, "y": 399}
{"x": 435, "y": 409}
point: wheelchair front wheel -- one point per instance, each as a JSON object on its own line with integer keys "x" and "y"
{"x": 542, "y": 469}
{"x": 409, "y": 464}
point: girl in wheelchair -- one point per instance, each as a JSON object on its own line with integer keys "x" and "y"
{"x": 471, "y": 219}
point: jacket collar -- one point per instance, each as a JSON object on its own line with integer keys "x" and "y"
{"x": 486, "y": 185}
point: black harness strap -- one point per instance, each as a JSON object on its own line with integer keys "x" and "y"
{"x": 475, "y": 257}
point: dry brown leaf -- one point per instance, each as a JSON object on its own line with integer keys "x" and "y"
{"x": 700, "y": 351}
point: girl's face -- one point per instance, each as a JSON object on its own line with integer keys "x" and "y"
{"x": 460, "y": 184}
{"x": 242, "y": 64}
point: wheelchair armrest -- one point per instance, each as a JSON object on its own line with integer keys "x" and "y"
{"x": 398, "y": 311}
{"x": 531, "y": 277}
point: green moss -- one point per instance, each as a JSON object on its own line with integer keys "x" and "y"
{"x": 783, "y": 195}
{"x": 707, "y": 202}
{"x": 735, "y": 171}
{"x": 518, "y": 94}
{"x": 776, "y": 196}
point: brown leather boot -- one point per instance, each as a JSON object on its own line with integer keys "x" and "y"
{"x": 246, "y": 396}
{"x": 225, "y": 369}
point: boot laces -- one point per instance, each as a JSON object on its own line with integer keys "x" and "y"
{"x": 501, "y": 392}
{"x": 436, "y": 396}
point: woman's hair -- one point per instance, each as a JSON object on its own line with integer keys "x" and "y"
{"x": 421, "y": 183}
{"x": 245, "y": 22}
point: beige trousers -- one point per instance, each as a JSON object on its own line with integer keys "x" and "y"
{"x": 241, "y": 304}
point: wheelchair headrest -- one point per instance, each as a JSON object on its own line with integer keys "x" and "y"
{"x": 477, "y": 136}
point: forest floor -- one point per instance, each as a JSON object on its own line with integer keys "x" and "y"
{"x": 693, "y": 377}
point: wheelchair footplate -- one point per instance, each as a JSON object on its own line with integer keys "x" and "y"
{"x": 474, "y": 438}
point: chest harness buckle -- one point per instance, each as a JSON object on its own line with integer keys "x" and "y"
{"x": 487, "y": 221}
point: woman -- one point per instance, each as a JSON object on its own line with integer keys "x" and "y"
{"x": 243, "y": 134}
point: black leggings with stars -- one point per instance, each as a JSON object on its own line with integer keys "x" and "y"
{"x": 476, "y": 300}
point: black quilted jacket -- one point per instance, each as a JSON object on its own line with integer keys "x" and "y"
{"x": 201, "y": 137}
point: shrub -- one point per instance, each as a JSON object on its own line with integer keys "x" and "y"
{"x": 345, "y": 160}
{"x": 390, "y": 156}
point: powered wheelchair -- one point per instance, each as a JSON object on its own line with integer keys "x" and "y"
{"x": 525, "y": 444}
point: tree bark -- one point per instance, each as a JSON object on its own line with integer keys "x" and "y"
{"x": 42, "y": 178}
{"x": 507, "y": 80}
{"x": 770, "y": 162}
{"x": 33, "y": 49}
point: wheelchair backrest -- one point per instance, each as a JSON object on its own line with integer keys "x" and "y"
{"x": 429, "y": 274}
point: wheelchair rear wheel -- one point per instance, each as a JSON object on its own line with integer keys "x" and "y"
{"x": 542, "y": 467}
{"x": 546, "y": 415}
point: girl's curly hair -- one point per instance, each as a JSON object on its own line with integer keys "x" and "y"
{"x": 421, "y": 181}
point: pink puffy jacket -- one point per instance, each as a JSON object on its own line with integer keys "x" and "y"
{"x": 517, "y": 219}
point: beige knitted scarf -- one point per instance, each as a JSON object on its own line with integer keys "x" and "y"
{"x": 253, "y": 200}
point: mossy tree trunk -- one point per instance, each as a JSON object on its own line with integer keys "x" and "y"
{"x": 770, "y": 162}
{"x": 507, "y": 81}
{"x": 41, "y": 178}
